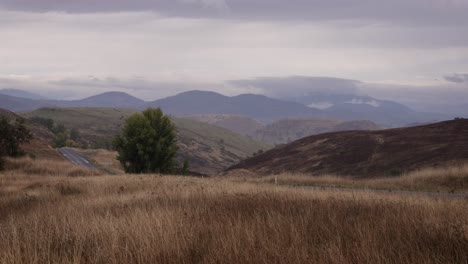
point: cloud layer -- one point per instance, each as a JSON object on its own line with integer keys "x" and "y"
{"x": 299, "y": 85}
{"x": 457, "y": 78}
{"x": 402, "y": 11}
{"x": 399, "y": 49}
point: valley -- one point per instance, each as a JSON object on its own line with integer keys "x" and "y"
{"x": 209, "y": 149}
{"x": 234, "y": 131}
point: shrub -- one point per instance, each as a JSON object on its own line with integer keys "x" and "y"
{"x": 147, "y": 143}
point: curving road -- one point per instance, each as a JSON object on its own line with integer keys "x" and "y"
{"x": 77, "y": 158}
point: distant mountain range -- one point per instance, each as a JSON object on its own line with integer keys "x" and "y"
{"x": 355, "y": 107}
{"x": 22, "y": 94}
{"x": 255, "y": 106}
{"x": 109, "y": 99}
{"x": 258, "y": 107}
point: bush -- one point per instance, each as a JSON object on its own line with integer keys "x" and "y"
{"x": 60, "y": 140}
{"x": 47, "y": 122}
{"x": 74, "y": 134}
{"x": 12, "y": 136}
{"x": 147, "y": 143}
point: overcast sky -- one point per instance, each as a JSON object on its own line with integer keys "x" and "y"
{"x": 407, "y": 50}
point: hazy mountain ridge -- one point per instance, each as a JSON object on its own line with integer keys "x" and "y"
{"x": 361, "y": 107}
{"x": 255, "y": 106}
{"x": 22, "y": 94}
{"x": 258, "y": 107}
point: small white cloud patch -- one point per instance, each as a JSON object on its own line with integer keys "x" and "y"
{"x": 373, "y": 103}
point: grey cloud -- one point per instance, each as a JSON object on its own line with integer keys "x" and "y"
{"x": 430, "y": 98}
{"x": 438, "y": 97}
{"x": 300, "y": 85}
{"x": 457, "y": 78}
{"x": 197, "y": 8}
{"x": 396, "y": 11}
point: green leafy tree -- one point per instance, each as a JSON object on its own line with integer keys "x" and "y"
{"x": 59, "y": 128}
{"x": 60, "y": 140}
{"x": 11, "y": 138}
{"x": 74, "y": 134}
{"x": 147, "y": 143}
{"x": 47, "y": 122}
{"x": 185, "y": 167}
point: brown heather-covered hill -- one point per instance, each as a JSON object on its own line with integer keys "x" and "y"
{"x": 368, "y": 153}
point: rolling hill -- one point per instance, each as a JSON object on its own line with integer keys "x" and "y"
{"x": 40, "y": 145}
{"x": 210, "y": 149}
{"x": 239, "y": 124}
{"x": 368, "y": 153}
{"x": 287, "y": 130}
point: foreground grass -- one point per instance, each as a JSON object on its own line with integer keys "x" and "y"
{"x": 151, "y": 219}
{"x": 450, "y": 180}
{"x": 28, "y": 166}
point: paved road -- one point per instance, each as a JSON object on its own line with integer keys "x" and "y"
{"x": 77, "y": 158}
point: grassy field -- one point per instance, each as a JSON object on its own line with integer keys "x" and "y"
{"x": 63, "y": 214}
{"x": 449, "y": 180}
{"x": 209, "y": 148}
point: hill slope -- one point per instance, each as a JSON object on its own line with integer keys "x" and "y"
{"x": 287, "y": 130}
{"x": 239, "y": 124}
{"x": 210, "y": 149}
{"x": 368, "y": 153}
{"x": 40, "y": 145}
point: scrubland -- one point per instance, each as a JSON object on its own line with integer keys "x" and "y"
{"x": 56, "y": 215}
{"x": 452, "y": 179}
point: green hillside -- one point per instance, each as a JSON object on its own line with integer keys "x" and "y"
{"x": 209, "y": 148}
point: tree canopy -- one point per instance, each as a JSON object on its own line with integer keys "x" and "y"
{"x": 12, "y": 135}
{"x": 147, "y": 143}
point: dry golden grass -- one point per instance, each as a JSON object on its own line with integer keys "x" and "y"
{"x": 44, "y": 167}
{"x": 450, "y": 179}
{"x": 150, "y": 219}
{"x": 104, "y": 159}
